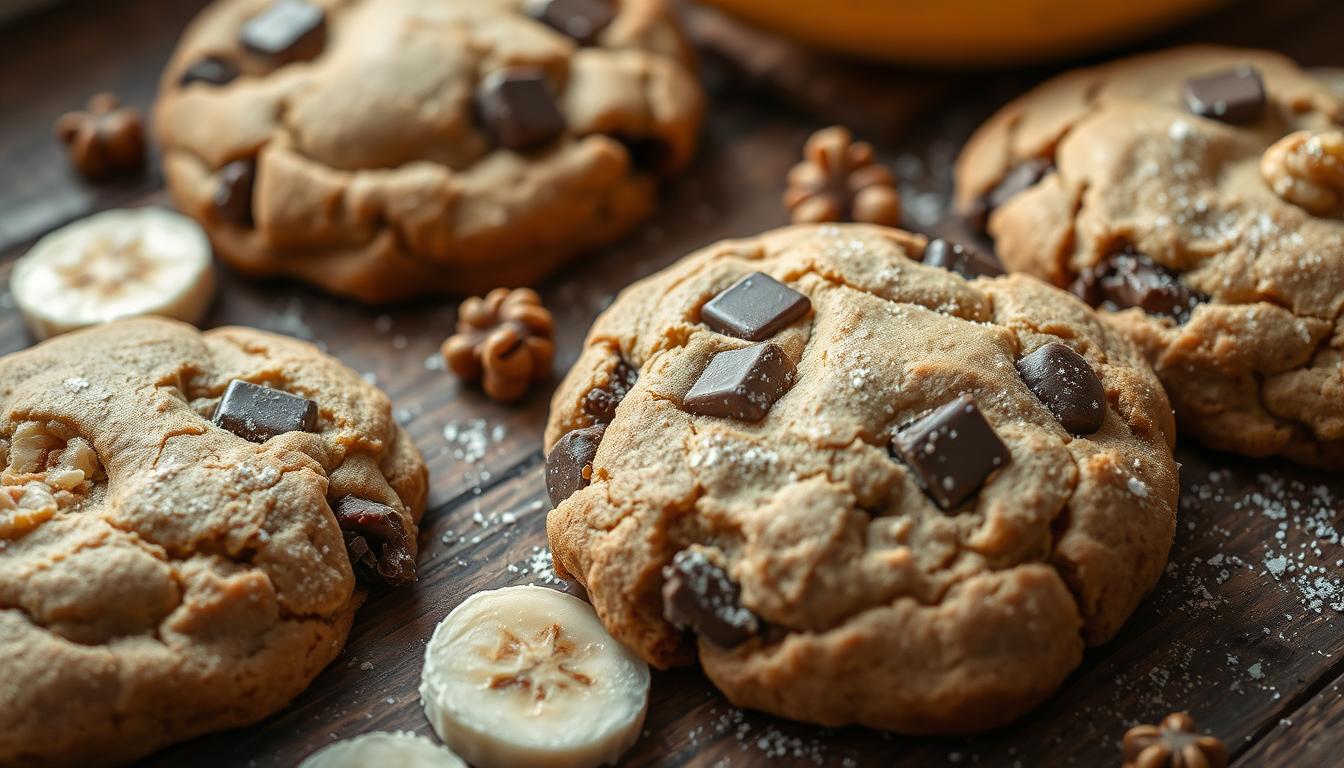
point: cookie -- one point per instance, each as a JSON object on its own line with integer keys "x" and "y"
{"x": 386, "y": 149}
{"x": 171, "y": 561}
{"x": 869, "y": 490}
{"x": 1195, "y": 194}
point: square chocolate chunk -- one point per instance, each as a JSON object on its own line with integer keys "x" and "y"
{"x": 287, "y": 31}
{"x": 258, "y": 413}
{"x": 951, "y": 451}
{"x": 582, "y": 20}
{"x": 741, "y": 383}
{"x": 1235, "y": 96}
{"x": 519, "y": 109}
{"x": 754, "y": 308}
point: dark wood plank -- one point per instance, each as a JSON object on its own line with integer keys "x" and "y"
{"x": 1232, "y": 633}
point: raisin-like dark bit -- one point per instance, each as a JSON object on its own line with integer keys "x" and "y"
{"x": 376, "y": 541}
{"x": 600, "y": 402}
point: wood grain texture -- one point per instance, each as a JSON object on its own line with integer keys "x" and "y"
{"x": 1246, "y": 630}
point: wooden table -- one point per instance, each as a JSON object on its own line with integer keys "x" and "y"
{"x": 1245, "y": 630}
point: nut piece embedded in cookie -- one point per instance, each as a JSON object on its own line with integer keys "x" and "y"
{"x": 258, "y": 413}
{"x": 741, "y": 383}
{"x": 1235, "y": 96}
{"x": 376, "y": 541}
{"x": 286, "y": 31}
{"x": 1062, "y": 379}
{"x": 1307, "y": 169}
{"x": 951, "y": 451}
{"x": 699, "y": 596}
{"x": 569, "y": 465}
{"x": 519, "y": 108}
{"x": 105, "y": 139}
{"x": 754, "y": 308}
{"x": 966, "y": 261}
{"x": 505, "y": 340}
{"x": 1173, "y": 744}
{"x": 838, "y": 180}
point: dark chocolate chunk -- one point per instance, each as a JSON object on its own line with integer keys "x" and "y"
{"x": 741, "y": 383}
{"x": 951, "y": 451}
{"x": 211, "y": 70}
{"x": 582, "y": 20}
{"x": 1128, "y": 279}
{"x": 233, "y": 196}
{"x": 376, "y": 541}
{"x": 1062, "y": 379}
{"x": 699, "y": 596}
{"x": 754, "y": 308}
{"x": 258, "y": 413}
{"x": 1019, "y": 179}
{"x": 519, "y": 109}
{"x": 600, "y": 402}
{"x": 569, "y": 465}
{"x": 1235, "y": 96}
{"x": 287, "y": 31}
{"x": 964, "y": 260}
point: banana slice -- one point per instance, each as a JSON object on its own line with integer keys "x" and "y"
{"x": 527, "y": 677}
{"x": 114, "y": 264}
{"x": 402, "y": 749}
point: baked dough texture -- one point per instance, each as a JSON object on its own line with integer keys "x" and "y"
{"x": 374, "y": 178}
{"x": 879, "y": 608}
{"x": 161, "y": 577}
{"x": 1258, "y": 368}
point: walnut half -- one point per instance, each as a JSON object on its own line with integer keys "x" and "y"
{"x": 1307, "y": 170}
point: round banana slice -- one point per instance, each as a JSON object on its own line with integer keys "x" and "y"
{"x": 527, "y": 677}
{"x": 114, "y": 264}
{"x": 402, "y": 749}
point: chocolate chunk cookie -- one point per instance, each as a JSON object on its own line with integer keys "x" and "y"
{"x": 1196, "y": 194}
{"x": 386, "y": 148}
{"x": 179, "y": 517}
{"x": 899, "y": 511}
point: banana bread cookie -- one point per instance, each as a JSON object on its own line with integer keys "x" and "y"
{"x": 179, "y": 516}
{"x": 875, "y": 491}
{"x": 1198, "y": 195}
{"x": 399, "y": 147}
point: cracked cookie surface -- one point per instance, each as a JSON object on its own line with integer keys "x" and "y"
{"x": 1240, "y": 211}
{"x": 828, "y": 585}
{"x": 161, "y": 577}
{"x": 367, "y": 157}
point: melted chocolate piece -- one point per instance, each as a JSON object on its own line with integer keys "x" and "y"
{"x": 1235, "y": 96}
{"x": 583, "y": 20}
{"x": 376, "y": 541}
{"x": 1129, "y": 279}
{"x": 519, "y": 109}
{"x": 233, "y": 196}
{"x": 1062, "y": 379}
{"x": 211, "y": 70}
{"x": 966, "y": 261}
{"x": 287, "y": 31}
{"x": 259, "y": 413}
{"x": 951, "y": 451}
{"x": 600, "y": 402}
{"x": 754, "y": 308}
{"x": 700, "y": 596}
{"x": 741, "y": 383}
{"x": 1018, "y": 179}
{"x": 569, "y": 465}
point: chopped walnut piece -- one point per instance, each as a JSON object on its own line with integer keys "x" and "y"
{"x": 1307, "y": 170}
{"x": 505, "y": 339}
{"x": 839, "y": 180}
{"x": 1173, "y": 744}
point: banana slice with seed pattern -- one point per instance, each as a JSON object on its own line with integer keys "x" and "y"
{"x": 115, "y": 264}
{"x": 527, "y": 677}
{"x": 402, "y": 749}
